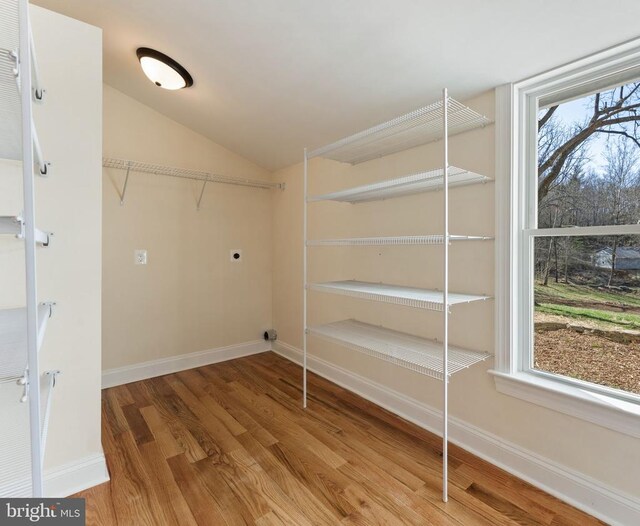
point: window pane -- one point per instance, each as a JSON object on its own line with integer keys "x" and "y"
{"x": 589, "y": 160}
{"x": 587, "y": 309}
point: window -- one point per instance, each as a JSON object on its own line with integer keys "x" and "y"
{"x": 586, "y": 288}
{"x": 568, "y": 230}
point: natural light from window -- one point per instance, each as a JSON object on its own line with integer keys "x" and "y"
{"x": 586, "y": 286}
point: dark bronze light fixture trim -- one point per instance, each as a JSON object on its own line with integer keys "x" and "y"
{"x": 145, "y": 52}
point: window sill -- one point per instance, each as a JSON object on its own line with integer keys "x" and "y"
{"x": 600, "y": 409}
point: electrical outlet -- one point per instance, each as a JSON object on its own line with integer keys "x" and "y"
{"x": 140, "y": 257}
{"x": 235, "y": 255}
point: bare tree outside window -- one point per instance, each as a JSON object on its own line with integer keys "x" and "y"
{"x": 587, "y": 288}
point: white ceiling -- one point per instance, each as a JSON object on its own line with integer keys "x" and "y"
{"x": 273, "y": 76}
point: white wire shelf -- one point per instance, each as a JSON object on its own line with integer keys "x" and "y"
{"x": 405, "y": 350}
{"x": 184, "y": 173}
{"x": 413, "y": 129}
{"x": 9, "y": 24}
{"x": 392, "y": 240}
{"x": 11, "y": 114}
{"x": 10, "y": 108}
{"x": 15, "y": 436}
{"x": 14, "y": 225}
{"x": 13, "y": 339}
{"x": 396, "y": 294}
{"x": 430, "y": 181}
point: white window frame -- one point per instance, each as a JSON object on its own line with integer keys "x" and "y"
{"x": 516, "y": 184}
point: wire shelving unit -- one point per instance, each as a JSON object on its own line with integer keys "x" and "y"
{"x": 432, "y": 358}
{"x": 22, "y": 330}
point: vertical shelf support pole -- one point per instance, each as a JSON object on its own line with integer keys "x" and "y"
{"x": 30, "y": 251}
{"x": 304, "y": 288}
{"x": 445, "y": 338}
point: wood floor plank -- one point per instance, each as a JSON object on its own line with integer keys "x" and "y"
{"x": 169, "y": 493}
{"x": 210, "y": 373}
{"x": 231, "y": 424}
{"x": 532, "y": 507}
{"x": 180, "y": 420}
{"x": 236, "y": 507}
{"x": 326, "y": 483}
{"x": 161, "y": 432}
{"x": 367, "y": 507}
{"x": 283, "y": 496}
{"x": 270, "y": 519}
{"x": 368, "y": 474}
{"x": 122, "y": 395}
{"x": 247, "y": 421}
{"x": 488, "y": 475}
{"x": 139, "y": 393}
{"x": 203, "y": 504}
{"x": 99, "y": 505}
{"x": 133, "y": 495}
{"x": 229, "y": 444}
{"x": 215, "y": 428}
{"x": 502, "y": 505}
{"x": 137, "y": 424}
{"x": 461, "y": 506}
{"x": 112, "y": 413}
{"x": 287, "y": 483}
{"x": 194, "y": 379}
{"x": 266, "y": 409}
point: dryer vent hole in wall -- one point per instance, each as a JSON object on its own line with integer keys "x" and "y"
{"x": 235, "y": 256}
{"x": 270, "y": 335}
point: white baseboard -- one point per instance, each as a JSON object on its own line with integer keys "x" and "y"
{"x": 173, "y": 364}
{"x": 579, "y": 490}
{"x": 76, "y": 476}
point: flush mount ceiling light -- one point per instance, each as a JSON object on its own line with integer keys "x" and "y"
{"x": 162, "y": 70}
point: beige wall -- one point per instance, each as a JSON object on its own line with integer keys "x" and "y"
{"x": 69, "y": 204}
{"x": 607, "y": 456}
{"x": 190, "y": 297}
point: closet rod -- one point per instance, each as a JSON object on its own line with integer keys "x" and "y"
{"x": 184, "y": 173}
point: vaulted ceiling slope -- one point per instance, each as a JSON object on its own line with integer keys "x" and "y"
{"x": 273, "y": 76}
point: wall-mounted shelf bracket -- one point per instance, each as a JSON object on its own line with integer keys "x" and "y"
{"x": 124, "y": 186}
{"x": 15, "y": 225}
{"x": 37, "y": 89}
{"x": 204, "y": 184}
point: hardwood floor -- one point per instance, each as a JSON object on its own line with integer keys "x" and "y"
{"x": 228, "y": 444}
